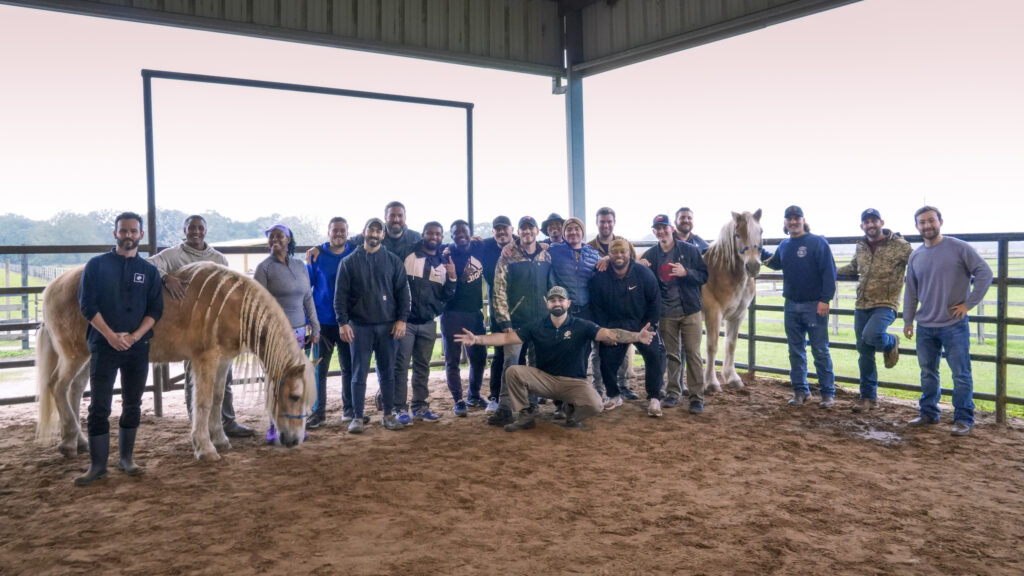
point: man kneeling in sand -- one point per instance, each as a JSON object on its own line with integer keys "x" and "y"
{"x": 560, "y": 341}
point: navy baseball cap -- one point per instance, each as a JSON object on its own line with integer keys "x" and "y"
{"x": 527, "y": 221}
{"x": 501, "y": 221}
{"x": 870, "y": 213}
{"x": 794, "y": 211}
{"x": 661, "y": 220}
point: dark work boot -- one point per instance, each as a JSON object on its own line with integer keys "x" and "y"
{"x": 99, "y": 450}
{"x": 501, "y": 417}
{"x": 125, "y": 446}
{"x": 524, "y": 421}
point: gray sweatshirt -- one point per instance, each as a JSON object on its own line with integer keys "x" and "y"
{"x": 941, "y": 276}
{"x": 289, "y": 284}
{"x": 178, "y": 256}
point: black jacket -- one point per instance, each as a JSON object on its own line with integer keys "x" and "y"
{"x": 628, "y": 302}
{"x": 371, "y": 289}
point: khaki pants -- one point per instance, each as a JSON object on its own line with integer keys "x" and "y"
{"x": 683, "y": 332}
{"x": 521, "y": 381}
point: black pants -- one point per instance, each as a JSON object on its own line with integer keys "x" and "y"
{"x": 330, "y": 339}
{"x": 104, "y": 365}
{"x": 654, "y": 360}
{"x": 497, "y": 364}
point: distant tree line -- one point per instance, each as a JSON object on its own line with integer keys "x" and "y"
{"x": 96, "y": 227}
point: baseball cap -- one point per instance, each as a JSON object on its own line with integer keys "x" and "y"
{"x": 527, "y": 221}
{"x": 794, "y": 211}
{"x": 557, "y": 292}
{"x": 501, "y": 221}
{"x": 870, "y": 213}
{"x": 374, "y": 222}
{"x": 661, "y": 220}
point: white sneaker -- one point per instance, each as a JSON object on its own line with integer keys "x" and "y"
{"x": 613, "y": 403}
{"x": 492, "y": 407}
{"x": 654, "y": 408}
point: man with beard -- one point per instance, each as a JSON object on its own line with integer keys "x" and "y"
{"x": 464, "y": 312}
{"x": 684, "y": 230}
{"x": 398, "y": 240}
{"x": 520, "y": 282}
{"x": 372, "y": 304}
{"x": 431, "y": 284}
{"x": 195, "y": 249}
{"x": 501, "y": 236}
{"x": 560, "y": 340}
{"x": 808, "y": 285}
{"x": 120, "y": 296}
{"x": 323, "y": 276}
{"x": 602, "y": 243}
{"x": 626, "y": 296}
{"x": 681, "y": 272}
{"x": 946, "y": 277}
{"x": 572, "y": 266}
{"x": 881, "y": 262}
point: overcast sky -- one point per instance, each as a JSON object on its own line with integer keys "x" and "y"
{"x": 884, "y": 103}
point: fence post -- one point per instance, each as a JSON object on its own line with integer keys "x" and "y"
{"x": 835, "y": 317}
{"x": 1002, "y": 308}
{"x": 24, "y": 299}
{"x": 751, "y": 334}
{"x": 980, "y": 326}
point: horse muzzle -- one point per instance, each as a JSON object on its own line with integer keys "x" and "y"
{"x": 753, "y": 268}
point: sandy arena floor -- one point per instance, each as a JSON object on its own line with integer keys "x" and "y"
{"x": 750, "y": 487}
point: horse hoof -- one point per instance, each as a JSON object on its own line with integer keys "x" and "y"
{"x": 70, "y": 452}
{"x": 735, "y": 385}
{"x": 207, "y": 456}
{"x": 223, "y": 447}
{"x": 713, "y": 389}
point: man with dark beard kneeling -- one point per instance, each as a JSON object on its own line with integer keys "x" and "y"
{"x": 560, "y": 340}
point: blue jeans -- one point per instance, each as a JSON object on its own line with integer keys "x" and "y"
{"x": 870, "y": 327}
{"x": 452, "y": 323}
{"x": 803, "y": 326}
{"x": 329, "y": 340}
{"x": 956, "y": 340}
{"x": 373, "y": 339}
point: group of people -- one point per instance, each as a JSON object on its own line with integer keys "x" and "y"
{"x": 379, "y": 294}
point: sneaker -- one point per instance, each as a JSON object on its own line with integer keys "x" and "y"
{"x": 425, "y": 415}
{"x": 390, "y": 421}
{"x": 460, "y": 409}
{"x": 476, "y": 402}
{"x": 961, "y": 428}
{"x": 403, "y": 418}
{"x": 492, "y": 407}
{"x": 558, "y": 414}
{"x": 629, "y": 394}
{"x": 654, "y": 408}
{"x": 827, "y": 402}
{"x": 864, "y": 405}
{"x": 355, "y": 426}
{"x": 923, "y": 421}
{"x": 524, "y": 421}
{"x": 613, "y": 403}
{"x": 798, "y": 399}
{"x": 892, "y": 357}
{"x": 696, "y": 407}
{"x": 314, "y": 421}
{"x": 501, "y": 417}
{"x": 272, "y": 434}
{"x": 670, "y": 402}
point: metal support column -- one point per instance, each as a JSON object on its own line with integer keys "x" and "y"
{"x": 574, "y": 115}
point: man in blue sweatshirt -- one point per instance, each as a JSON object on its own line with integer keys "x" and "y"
{"x": 946, "y": 277}
{"x": 120, "y": 295}
{"x": 323, "y": 276}
{"x": 808, "y": 285}
{"x": 372, "y": 304}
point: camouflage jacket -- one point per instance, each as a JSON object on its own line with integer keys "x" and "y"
{"x": 882, "y": 273}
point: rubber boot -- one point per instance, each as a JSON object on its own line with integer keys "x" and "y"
{"x": 99, "y": 451}
{"x": 125, "y": 446}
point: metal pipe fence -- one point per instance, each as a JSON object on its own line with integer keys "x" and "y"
{"x": 767, "y": 285}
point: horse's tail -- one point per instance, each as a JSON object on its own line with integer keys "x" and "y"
{"x": 46, "y": 365}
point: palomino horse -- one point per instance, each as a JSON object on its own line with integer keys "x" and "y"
{"x": 223, "y": 314}
{"x": 734, "y": 260}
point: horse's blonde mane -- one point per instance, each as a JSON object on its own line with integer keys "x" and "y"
{"x": 263, "y": 328}
{"x": 721, "y": 254}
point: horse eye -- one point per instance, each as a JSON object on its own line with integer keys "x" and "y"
{"x": 294, "y": 397}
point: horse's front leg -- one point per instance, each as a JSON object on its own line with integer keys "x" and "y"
{"x": 204, "y": 372}
{"x": 732, "y": 332}
{"x": 216, "y": 424}
{"x": 712, "y": 321}
{"x": 67, "y": 390}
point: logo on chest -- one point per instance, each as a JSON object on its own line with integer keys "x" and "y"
{"x": 139, "y": 278}
{"x": 801, "y": 252}
{"x": 567, "y": 335}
